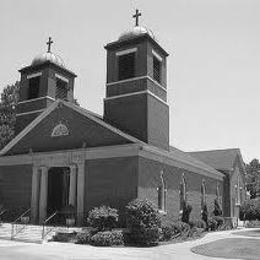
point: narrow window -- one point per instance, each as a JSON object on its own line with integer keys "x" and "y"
{"x": 61, "y": 89}
{"x": 157, "y": 69}
{"x": 162, "y": 194}
{"x": 34, "y": 86}
{"x": 203, "y": 194}
{"x": 126, "y": 66}
{"x": 182, "y": 193}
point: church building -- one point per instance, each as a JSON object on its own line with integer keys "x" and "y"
{"x": 63, "y": 154}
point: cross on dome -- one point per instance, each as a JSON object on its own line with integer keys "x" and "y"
{"x": 49, "y": 43}
{"x": 136, "y": 16}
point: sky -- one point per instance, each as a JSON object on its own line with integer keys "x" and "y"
{"x": 213, "y": 67}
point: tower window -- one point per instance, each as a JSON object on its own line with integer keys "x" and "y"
{"x": 34, "y": 86}
{"x": 61, "y": 89}
{"x": 126, "y": 66}
{"x": 157, "y": 69}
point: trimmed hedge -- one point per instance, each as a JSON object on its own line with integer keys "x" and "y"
{"x": 171, "y": 230}
{"x": 143, "y": 223}
{"x": 103, "y": 218}
{"x": 107, "y": 238}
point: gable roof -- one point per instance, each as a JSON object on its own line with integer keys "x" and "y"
{"x": 89, "y": 115}
{"x": 190, "y": 160}
{"x": 219, "y": 159}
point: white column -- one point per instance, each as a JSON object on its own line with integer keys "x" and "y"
{"x": 80, "y": 192}
{"x": 73, "y": 185}
{"x": 43, "y": 194}
{"x": 35, "y": 194}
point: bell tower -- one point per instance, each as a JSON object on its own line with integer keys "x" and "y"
{"x": 44, "y": 81}
{"x": 136, "y": 87}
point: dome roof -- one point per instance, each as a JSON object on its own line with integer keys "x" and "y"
{"x": 134, "y": 32}
{"x": 48, "y": 56}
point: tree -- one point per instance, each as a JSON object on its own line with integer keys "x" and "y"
{"x": 252, "y": 176}
{"x": 8, "y": 102}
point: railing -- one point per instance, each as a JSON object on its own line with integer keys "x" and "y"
{"x": 24, "y": 220}
{"x": 2, "y": 213}
{"x": 44, "y": 233}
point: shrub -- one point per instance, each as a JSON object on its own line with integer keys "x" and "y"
{"x": 103, "y": 218}
{"x": 171, "y": 230}
{"x": 107, "y": 238}
{"x": 219, "y": 220}
{"x": 85, "y": 236}
{"x": 204, "y": 213}
{"x": 64, "y": 237}
{"x": 186, "y": 212}
{"x": 212, "y": 224}
{"x": 217, "y": 209}
{"x": 250, "y": 210}
{"x": 198, "y": 223}
{"x": 143, "y": 222}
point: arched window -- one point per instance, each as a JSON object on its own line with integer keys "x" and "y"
{"x": 217, "y": 191}
{"x": 183, "y": 196}
{"x": 203, "y": 193}
{"x": 162, "y": 194}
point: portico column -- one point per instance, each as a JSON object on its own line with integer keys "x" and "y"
{"x": 35, "y": 194}
{"x": 80, "y": 192}
{"x": 73, "y": 185}
{"x": 43, "y": 194}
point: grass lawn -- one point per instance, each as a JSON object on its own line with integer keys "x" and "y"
{"x": 246, "y": 248}
{"x": 249, "y": 233}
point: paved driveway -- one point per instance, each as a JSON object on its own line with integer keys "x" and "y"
{"x": 10, "y": 250}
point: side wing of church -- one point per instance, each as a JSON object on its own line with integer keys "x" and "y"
{"x": 66, "y": 155}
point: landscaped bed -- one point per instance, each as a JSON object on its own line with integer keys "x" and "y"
{"x": 235, "y": 248}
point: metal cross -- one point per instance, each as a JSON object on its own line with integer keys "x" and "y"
{"x": 136, "y": 16}
{"x": 49, "y": 43}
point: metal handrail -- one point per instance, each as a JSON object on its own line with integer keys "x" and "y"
{"x": 45, "y": 222}
{"x": 13, "y": 233}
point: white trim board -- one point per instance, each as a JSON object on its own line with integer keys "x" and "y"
{"x": 136, "y": 93}
{"x": 61, "y": 78}
{"x": 35, "y": 99}
{"x": 34, "y": 75}
{"x": 134, "y": 79}
{"x": 124, "y": 52}
{"x": 32, "y": 112}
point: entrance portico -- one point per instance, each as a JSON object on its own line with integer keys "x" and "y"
{"x": 47, "y": 176}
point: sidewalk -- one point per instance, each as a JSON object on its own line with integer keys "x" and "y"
{"x": 66, "y": 251}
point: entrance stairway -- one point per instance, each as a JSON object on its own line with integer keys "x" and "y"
{"x": 27, "y": 233}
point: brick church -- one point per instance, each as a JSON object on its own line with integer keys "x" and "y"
{"x": 63, "y": 154}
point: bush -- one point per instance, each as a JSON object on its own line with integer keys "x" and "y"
{"x": 204, "y": 213}
{"x": 212, "y": 224}
{"x": 171, "y": 230}
{"x": 250, "y": 210}
{"x": 219, "y": 220}
{"x": 64, "y": 237}
{"x": 85, "y": 236}
{"x": 107, "y": 238}
{"x": 186, "y": 212}
{"x": 198, "y": 223}
{"x": 103, "y": 218}
{"x": 217, "y": 210}
{"x": 143, "y": 222}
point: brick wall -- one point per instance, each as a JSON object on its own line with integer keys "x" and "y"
{"x": 16, "y": 186}
{"x": 111, "y": 182}
{"x": 149, "y": 179}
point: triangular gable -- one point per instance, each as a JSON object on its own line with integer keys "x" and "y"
{"x": 84, "y": 129}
